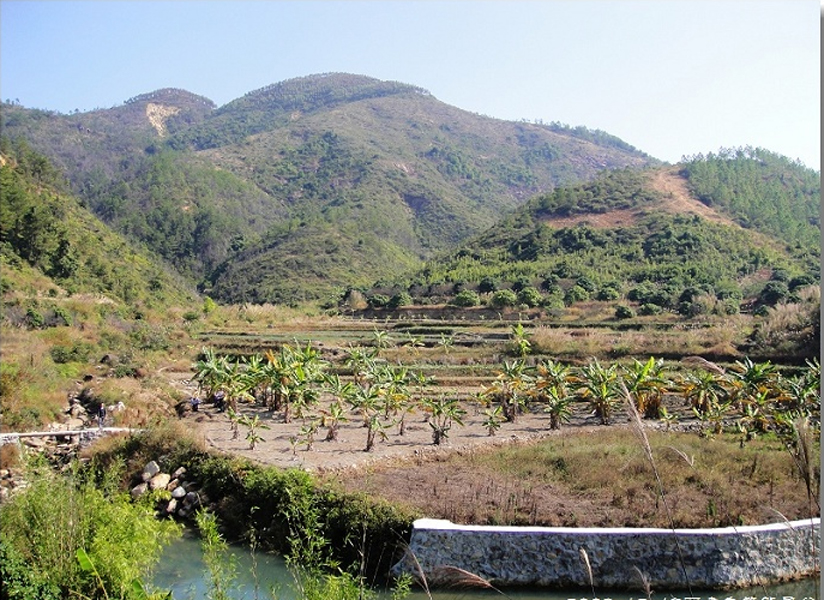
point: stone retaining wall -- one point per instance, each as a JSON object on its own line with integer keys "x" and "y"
{"x": 723, "y": 558}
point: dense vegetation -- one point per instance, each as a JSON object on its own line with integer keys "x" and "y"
{"x": 73, "y": 292}
{"x": 376, "y": 174}
{"x": 43, "y": 227}
{"x": 73, "y": 536}
{"x": 80, "y": 534}
{"x": 762, "y": 191}
{"x": 569, "y": 246}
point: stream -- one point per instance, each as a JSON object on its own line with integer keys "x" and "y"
{"x": 182, "y": 571}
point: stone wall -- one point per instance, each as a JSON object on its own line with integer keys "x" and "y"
{"x": 723, "y": 558}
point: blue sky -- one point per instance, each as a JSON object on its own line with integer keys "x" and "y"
{"x": 670, "y": 77}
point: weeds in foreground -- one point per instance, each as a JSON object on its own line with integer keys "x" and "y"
{"x": 94, "y": 545}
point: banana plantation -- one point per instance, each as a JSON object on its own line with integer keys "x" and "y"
{"x": 319, "y": 391}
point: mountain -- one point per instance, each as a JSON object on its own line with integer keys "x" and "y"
{"x": 718, "y": 233}
{"x": 307, "y": 187}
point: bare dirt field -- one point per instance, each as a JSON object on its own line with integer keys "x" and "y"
{"x": 446, "y": 481}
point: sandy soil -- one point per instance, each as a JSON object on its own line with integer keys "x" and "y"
{"x": 281, "y": 448}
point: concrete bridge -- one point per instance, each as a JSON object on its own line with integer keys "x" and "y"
{"x": 82, "y": 435}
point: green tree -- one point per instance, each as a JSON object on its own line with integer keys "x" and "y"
{"x": 466, "y": 299}
{"x": 503, "y": 299}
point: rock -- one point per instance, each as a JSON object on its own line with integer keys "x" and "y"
{"x": 110, "y": 360}
{"x": 140, "y": 489}
{"x": 172, "y": 506}
{"x": 179, "y": 473}
{"x": 179, "y": 492}
{"x": 150, "y": 470}
{"x": 34, "y": 442}
{"x": 75, "y": 423}
{"x": 159, "y": 481}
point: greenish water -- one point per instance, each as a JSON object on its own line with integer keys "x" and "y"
{"x": 182, "y": 571}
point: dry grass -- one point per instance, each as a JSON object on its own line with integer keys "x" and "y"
{"x": 10, "y": 456}
{"x": 718, "y": 337}
{"x": 603, "y": 478}
{"x": 33, "y": 390}
{"x": 166, "y": 440}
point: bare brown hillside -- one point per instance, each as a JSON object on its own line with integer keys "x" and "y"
{"x": 676, "y": 199}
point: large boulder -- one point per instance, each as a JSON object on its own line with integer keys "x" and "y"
{"x": 159, "y": 481}
{"x": 150, "y": 470}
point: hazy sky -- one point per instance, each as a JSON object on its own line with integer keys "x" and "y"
{"x": 670, "y": 77}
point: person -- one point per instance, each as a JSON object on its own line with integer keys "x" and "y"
{"x": 220, "y": 403}
{"x": 195, "y": 402}
{"x": 101, "y": 415}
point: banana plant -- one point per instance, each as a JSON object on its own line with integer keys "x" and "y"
{"x": 445, "y": 412}
{"x": 520, "y": 339}
{"x": 253, "y": 425}
{"x": 550, "y": 388}
{"x": 492, "y": 420}
{"x": 510, "y": 389}
{"x": 704, "y": 390}
{"x": 332, "y": 420}
{"x": 367, "y": 400}
{"x": 381, "y": 339}
{"x": 210, "y": 372}
{"x": 599, "y": 386}
{"x": 647, "y": 385}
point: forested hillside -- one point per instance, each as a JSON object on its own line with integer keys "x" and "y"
{"x": 762, "y": 191}
{"x": 626, "y": 237}
{"x": 309, "y": 186}
{"x": 51, "y": 246}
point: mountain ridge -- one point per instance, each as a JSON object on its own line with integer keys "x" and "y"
{"x": 310, "y": 186}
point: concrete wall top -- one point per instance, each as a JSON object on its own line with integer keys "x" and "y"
{"x": 443, "y": 524}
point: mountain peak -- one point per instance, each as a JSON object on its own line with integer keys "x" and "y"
{"x": 321, "y": 91}
{"x": 174, "y": 97}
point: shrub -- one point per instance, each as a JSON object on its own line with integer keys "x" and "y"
{"x": 521, "y": 284}
{"x": 44, "y": 525}
{"x": 209, "y": 305}
{"x": 575, "y": 294}
{"x": 650, "y": 309}
{"x": 530, "y": 296}
{"x": 487, "y": 285}
{"x": 400, "y": 299}
{"x": 149, "y": 337}
{"x": 466, "y": 298}
{"x": 773, "y": 293}
{"x": 623, "y": 312}
{"x": 586, "y": 283}
{"x": 608, "y": 293}
{"x": 503, "y": 299}
{"x": 35, "y": 319}
{"x": 61, "y": 317}
{"x": 77, "y": 352}
{"x": 378, "y": 301}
